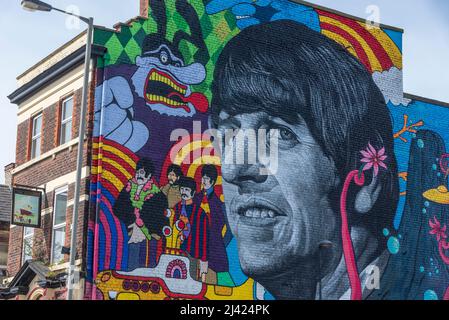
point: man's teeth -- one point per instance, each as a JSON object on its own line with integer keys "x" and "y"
{"x": 259, "y": 213}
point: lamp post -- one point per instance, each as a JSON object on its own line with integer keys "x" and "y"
{"x": 323, "y": 245}
{"x": 36, "y": 5}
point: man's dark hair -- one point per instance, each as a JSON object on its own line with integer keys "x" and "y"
{"x": 175, "y": 169}
{"x": 187, "y": 182}
{"x": 145, "y": 164}
{"x": 293, "y": 72}
{"x": 210, "y": 171}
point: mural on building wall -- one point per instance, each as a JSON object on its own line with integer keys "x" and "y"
{"x": 358, "y": 164}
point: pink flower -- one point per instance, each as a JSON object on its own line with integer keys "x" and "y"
{"x": 373, "y": 159}
{"x": 437, "y": 230}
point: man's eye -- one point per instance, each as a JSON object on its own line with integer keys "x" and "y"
{"x": 286, "y": 134}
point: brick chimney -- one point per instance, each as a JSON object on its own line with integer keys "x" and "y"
{"x": 144, "y": 8}
{"x": 8, "y": 173}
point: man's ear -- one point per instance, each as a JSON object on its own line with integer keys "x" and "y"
{"x": 367, "y": 196}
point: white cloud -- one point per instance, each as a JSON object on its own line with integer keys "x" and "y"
{"x": 391, "y": 85}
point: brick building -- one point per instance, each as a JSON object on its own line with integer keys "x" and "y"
{"x": 155, "y": 74}
{"x": 48, "y": 100}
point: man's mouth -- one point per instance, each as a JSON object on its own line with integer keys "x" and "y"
{"x": 259, "y": 210}
{"x": 258, "y": 213}
{"x": 162, "y": 88}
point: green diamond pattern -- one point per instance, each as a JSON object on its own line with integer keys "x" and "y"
{"x": 123, "y": 47}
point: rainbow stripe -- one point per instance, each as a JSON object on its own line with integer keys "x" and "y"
{"x": 112, "y": 166}
{"x": 372, "y": 46}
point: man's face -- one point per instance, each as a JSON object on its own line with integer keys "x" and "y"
{"x": 206, "y": 182}
{"x": 172, "y": 177}
{"x": 142, "y": 177}
{"x": 279, "y": 219}
{"x": 186, "y": 193}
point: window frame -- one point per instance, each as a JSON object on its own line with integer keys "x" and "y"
{"x": 4, "y": 235}
{"x": 34, "y": 152}
{"x": 61, "y": 190}
{"x": 63, "y": 121}
{"x": 25, "y": 238}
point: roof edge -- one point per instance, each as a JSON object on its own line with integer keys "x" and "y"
{"x": 426, "y": 100}
{"x": 68, "y": 63}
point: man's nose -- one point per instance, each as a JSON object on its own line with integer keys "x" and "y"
{"x": 245, "y": 176}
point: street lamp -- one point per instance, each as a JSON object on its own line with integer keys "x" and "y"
{"x": 323, "y": 245}
{"x": 35, "y": 5}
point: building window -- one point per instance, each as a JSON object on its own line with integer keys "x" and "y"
{"x": 66, "y": 121}
{"x": 4, "y": 239}
{"x": 36, "y": 136}
{"x": 28, "y": 241}
{"x": 59, "y": 224}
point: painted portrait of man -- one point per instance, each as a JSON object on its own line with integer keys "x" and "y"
{"x": 327, "y": 109}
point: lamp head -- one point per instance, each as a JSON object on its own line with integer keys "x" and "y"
{"x": 36, "y": 5}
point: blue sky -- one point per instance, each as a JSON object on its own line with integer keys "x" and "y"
{"x": 28, "y": 37}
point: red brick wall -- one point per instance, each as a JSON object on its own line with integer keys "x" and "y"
{"x": 47, "y": 170}
{"x": 43, "y": 235}
{"x": 49, "y": 125}
{"x": 50, "y": 128}
{"x": 22, "y": 142}
{"x": 15, "y": 250}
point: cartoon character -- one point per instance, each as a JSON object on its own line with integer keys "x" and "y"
{"x": 252, "y": 12}
{"x": 171, "y": 189}
{"x": 141, "y": 207}
{"x": 185, "y": 208}
{"x": 179, "y": 216}
{"x": 164, "y": 79}
{"x": 211, "y": 205}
